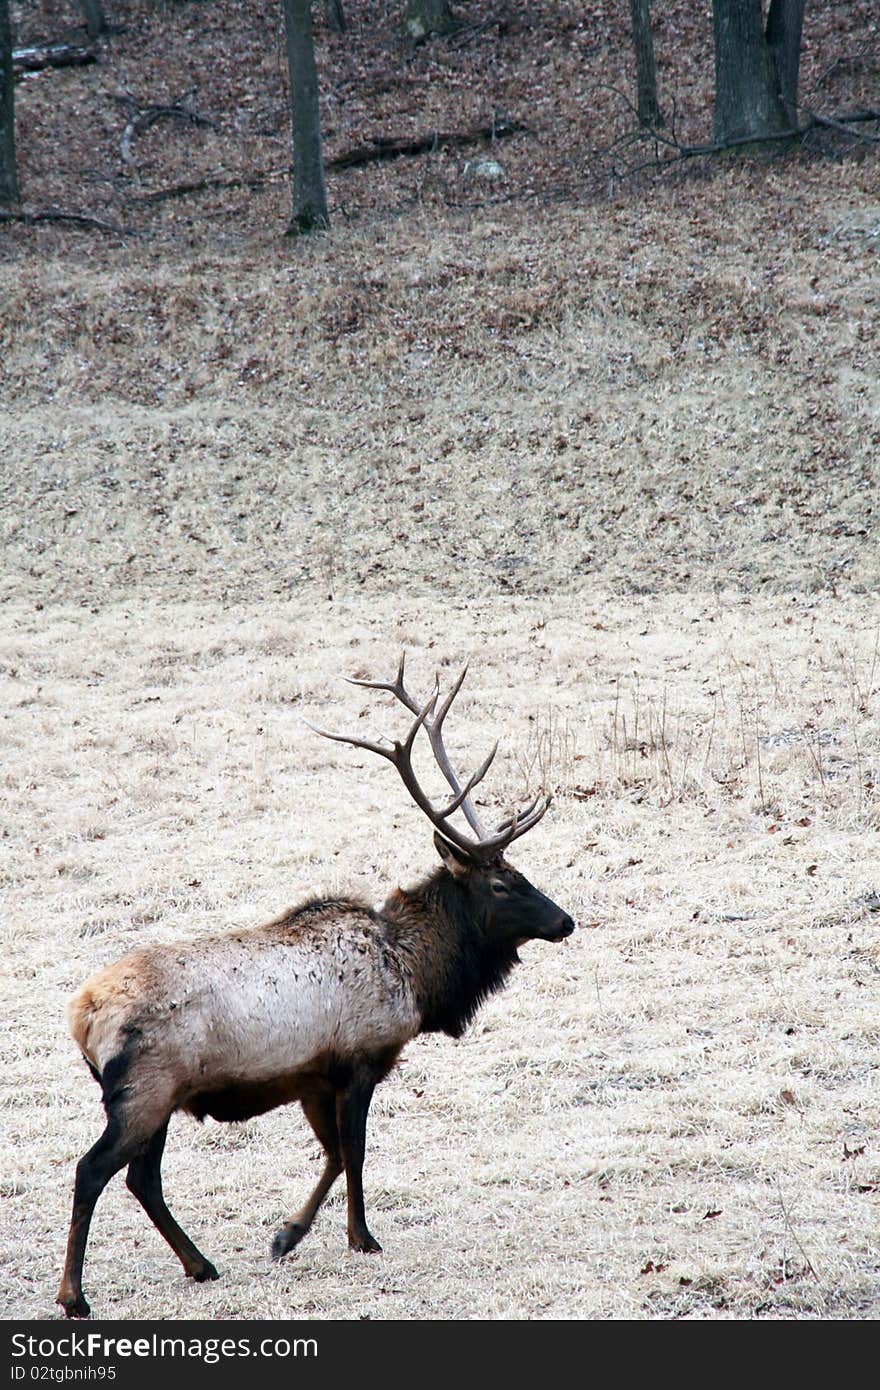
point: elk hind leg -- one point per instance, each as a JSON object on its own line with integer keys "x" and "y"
{"x": 320, "y": 1111}
{"x": 144, "y": 1180}
{"x": 93, "y": 1172}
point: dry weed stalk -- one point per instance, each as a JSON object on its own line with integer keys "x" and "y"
{"x": 644, "y": 743}
{"x": 644, "y": 757}
{"x": 547, "y": 761}
{"x": 794, "y": 1235}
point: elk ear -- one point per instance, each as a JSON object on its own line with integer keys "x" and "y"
{"x": 456, "y": 860}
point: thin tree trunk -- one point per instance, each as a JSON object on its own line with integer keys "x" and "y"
{"x": 426, "y": 17}
{"x": 646, "y": 77}
{"x": 335, "y": 16}
{"x": 309, "y": 193}
{"x": 96, "y": 24}
{"x": 747, "y": 100}
{"x": 8, "y": 175}
{"x": 785, "y": 21}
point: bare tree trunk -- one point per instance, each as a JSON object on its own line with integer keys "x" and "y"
{"x": 96, "y": 24}
{"x": 426, "y": 17}
{"x": 747, "y": 100}
{"x": 309, "y": 193}
{"x": 785, "y": 21}
{"x": 646, "y": 77}
{"x": 335, "y": 16}
{"x": 8, "y": 175}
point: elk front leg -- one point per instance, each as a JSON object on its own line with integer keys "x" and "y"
{"x": 352, "y": 1105}
{"x": 320, "y": 1111}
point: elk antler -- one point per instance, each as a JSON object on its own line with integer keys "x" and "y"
{"x": 429, "y": 718}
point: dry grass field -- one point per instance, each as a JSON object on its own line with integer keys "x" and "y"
{"x": 620, "y": 453}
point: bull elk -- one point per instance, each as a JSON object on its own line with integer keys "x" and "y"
{"x": 315, "y": 1006}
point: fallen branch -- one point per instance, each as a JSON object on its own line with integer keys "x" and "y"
{"x": 719, "y": 147}
{"x": 852, "y": 116}
{"x": 383, "y": 148}
{"x": 181, "y": 190}
{"x": 378, "y": 150}
{"x": 843, "y": 122}
{"x": 76, "y": 219}
{"x": 466, "y": 32}
{"x": 142, "y": 118}
{"x": 679, "y": 151}
{"x": 51, "y": 55}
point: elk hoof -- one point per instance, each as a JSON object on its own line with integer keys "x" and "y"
{"x": 202, "y": 1273}
{"x": 367, "y": 1244}
{"x": 75, "y": 1306}
{"x": 290, "y": 1235}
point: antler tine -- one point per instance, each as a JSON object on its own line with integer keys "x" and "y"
{"x": 518, "y": 824}
{"x": 434, "y": 732}
{"x": 396, "y": 748}
{"x": 444, "y": 708}
{"x": 355, "y": 742}
{"x": 395, "y": 687}
{"x": 402, "y": 759}
{"x": 518, "y": 816}
{"x": 400, "y": 754}
{"x": 532, "y": 821}
{"x": 422, "y": 718}
{"x": 472, "y": 782}
{"x": 433, "y": 729}
{"x": 393, "y": 752}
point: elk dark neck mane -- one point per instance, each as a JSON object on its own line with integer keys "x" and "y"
{"x": 453, "y": 964}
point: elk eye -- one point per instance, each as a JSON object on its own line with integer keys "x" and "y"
{"x": 499, "y": 888}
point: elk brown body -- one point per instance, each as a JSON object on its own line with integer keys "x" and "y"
{"x": 314, "y": 1007}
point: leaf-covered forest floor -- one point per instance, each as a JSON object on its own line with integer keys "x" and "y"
{"x": 615, "y": 440}
{"x": 564, "y": 71}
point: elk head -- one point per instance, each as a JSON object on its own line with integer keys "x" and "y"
{"x": 498, "y": 895}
